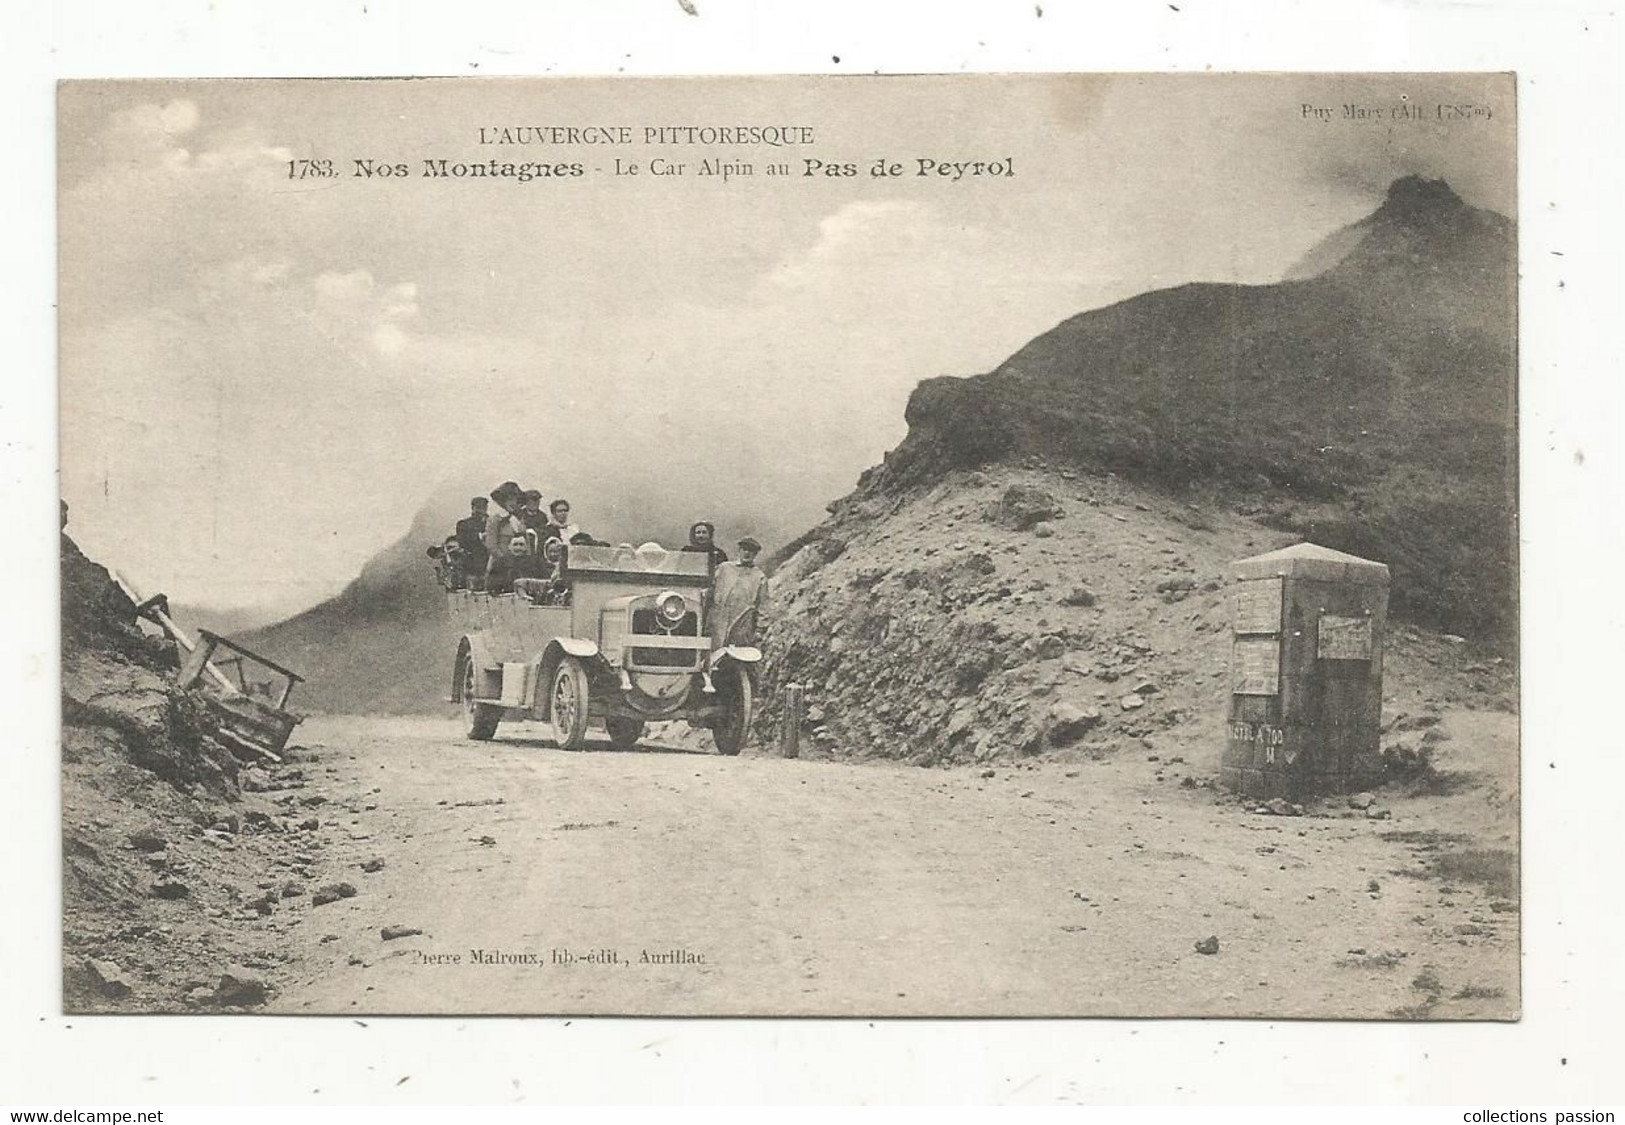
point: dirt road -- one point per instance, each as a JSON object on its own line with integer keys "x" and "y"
{"x": 666, "y": 881}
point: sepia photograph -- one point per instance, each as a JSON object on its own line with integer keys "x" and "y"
{"x": 1034, "y": 545}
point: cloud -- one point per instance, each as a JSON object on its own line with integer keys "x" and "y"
{"x": 389, "y": 339}
{"x": 344, "y": 287}
{"x": 156, "y": 123}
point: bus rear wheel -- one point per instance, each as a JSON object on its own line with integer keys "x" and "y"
{"x": 480, "y": 719}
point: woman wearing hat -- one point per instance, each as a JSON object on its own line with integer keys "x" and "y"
{"x": 504, "y": 523}
{"x": 703, "y": 537}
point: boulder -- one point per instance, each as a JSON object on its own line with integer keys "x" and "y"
{"x": 1131, "y": 702}
{"x": 1023, "y": 507}
{"x": 1362, "y": 800}
{"x": 108, "y": 978}
{"x": 1079, "y": 596}
{"x": 1177, "y": 583}
{"x": 147, "y": 841}
{"x": 1077, "y": 663}
{"x": 392, "y": 933}
{"x": 1068, "y": 722}
{"x": 1048, "y": 647}
{"x": 240, "y": 987}
{"x": 332, "y": 892}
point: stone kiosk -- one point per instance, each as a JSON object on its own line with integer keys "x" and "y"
{"x": 1306, "y": 673}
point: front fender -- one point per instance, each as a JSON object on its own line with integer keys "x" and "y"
{"x": 557, "y": 649}
{"x": 577, "y": 646}
{"x": 745, "y": 654}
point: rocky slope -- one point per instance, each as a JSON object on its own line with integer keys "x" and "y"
{"x": 180, "y": 862}
{"x": 1028, "y": 609}
{"x": 1370, "y": 407}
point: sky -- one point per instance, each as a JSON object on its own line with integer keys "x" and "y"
{"x": 263, "y": 379}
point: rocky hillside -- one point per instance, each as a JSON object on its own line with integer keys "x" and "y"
{"x": 176, "y": 856}
{"x": 1369, "y": 407}
{"x": 1028, "y": 609}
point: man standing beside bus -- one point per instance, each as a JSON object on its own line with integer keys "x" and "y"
{"x": 738, "y": 597}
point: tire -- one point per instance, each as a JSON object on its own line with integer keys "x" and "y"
{"x": 569, "y": 704}
{"x": 731, "y": 728}
{"x": 481, "y": 719}
{"x": 624, "y": 733}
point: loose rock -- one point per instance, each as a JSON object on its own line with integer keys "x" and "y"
{"x": 240, "y": 988}
{"x": 1022, "y": 507}
{"x": 1208, "y": 945}
{"x": 391, "y": 933}
{"x": 1069, "y": 722}
{"x": 108, "y": 977}
{"x": 332, "y": 892}
{"x": 147, "y": 841}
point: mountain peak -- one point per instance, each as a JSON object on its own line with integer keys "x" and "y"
{"x": 1413, "y": 197}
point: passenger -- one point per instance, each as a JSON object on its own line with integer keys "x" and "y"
{"x": 504, "y": 525}
{"x": 703, "y": 537}
{"x": 738, "y": 597}
{"x": 471, "y": 538}
{"x": 516, "y": 562}
{"x": 558, "y": 517}
{"x": 449, "y": 564}
{"x": 530, "y": 511}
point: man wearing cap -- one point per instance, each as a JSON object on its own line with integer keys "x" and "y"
{"x": 471, "y": 538}
{"x": 738, "y": 597}
{"x": 530, "y": 513}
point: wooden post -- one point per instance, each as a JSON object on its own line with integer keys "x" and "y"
{"x": 790, "y": 731}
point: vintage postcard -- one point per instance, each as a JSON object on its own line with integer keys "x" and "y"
{"x": 908, "y": 546}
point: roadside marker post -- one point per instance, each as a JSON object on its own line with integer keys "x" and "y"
{"x": 790, "y": 732}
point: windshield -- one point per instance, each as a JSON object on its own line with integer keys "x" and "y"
{"x": 650, "y": 558}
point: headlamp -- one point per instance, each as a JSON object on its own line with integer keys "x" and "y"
{"x": 671, "y": 607}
